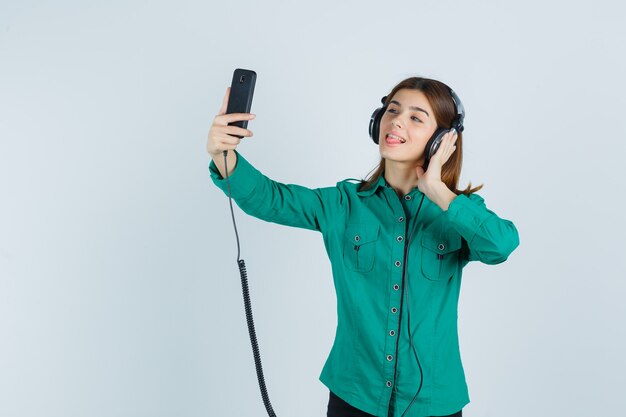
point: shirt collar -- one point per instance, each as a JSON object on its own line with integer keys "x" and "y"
{"x": 380, "y": 182}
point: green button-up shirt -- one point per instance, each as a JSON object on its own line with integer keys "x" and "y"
{"x": 397, "y": 265}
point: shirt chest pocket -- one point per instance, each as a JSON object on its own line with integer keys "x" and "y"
{"x": 359, "y": 247}
{"x": 440, "y": 255}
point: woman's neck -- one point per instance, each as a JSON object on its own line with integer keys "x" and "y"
{"x": 401, "y": 176}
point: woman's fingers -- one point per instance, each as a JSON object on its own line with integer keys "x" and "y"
{"x": 222, "y": 142}
{"x": 224, "y": 119}
{"x": 230, "y": 135}
{"x": 236, "y": 131}
{"x": 447, "y": 146}
{"x": 450, "y": 139}
{"x": 230, "y": 140}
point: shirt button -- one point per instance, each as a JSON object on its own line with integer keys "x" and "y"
{"x": 399, "y": 238}
{"x": 389, "y": 358}
{"x": 389, "y": 384}
{"x": 392, "y": 332}
{"x": 357, "y": 238}
{"x": 397, "y": 263}
{"x": 396, "y": 287}
{"x": 394, "y": 310}
{"x": 400, "y": 219}
{"x": 441, "y": 246}
{"x": 407, "y": 197}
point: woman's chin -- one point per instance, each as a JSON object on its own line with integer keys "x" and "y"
{"x": 392, "y": 155}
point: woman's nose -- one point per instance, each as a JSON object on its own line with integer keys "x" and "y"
{"x": 396, "y": 122}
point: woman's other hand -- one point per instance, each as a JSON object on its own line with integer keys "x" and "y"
{"x": 429, "y": 182}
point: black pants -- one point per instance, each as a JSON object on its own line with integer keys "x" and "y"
{"x": 339, "y": 408}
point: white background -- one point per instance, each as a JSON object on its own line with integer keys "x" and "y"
{"x": 119, "y": 292}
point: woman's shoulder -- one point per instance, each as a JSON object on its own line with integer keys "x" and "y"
{"x": 475, "y": 197}
{"x": 352, "y": 186}
{"x": 349, "y": 182}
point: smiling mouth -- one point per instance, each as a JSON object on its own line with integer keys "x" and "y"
{"x": 394, "y": 138}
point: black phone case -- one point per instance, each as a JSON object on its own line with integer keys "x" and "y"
{"x": 241, "y": 92}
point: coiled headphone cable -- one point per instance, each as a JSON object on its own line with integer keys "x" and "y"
{"x": 247, "y": 304}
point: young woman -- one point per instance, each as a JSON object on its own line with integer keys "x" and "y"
{"x": 397, "y": 243}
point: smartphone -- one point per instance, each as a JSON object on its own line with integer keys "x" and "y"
{"x": 241, "y": 92}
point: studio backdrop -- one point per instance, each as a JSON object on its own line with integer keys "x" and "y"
{"x": 119, "y": 290}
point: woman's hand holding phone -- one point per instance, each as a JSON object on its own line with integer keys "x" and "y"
{"x": 223, "y": 137}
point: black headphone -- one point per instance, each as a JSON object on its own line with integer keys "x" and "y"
{"x": 435, "y": 140}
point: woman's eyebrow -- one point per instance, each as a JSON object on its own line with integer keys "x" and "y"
{"x": 410, "y": 107}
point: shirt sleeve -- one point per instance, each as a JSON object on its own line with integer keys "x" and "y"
{"x": 272, "y": 201}
{"x": 490, "y": 238}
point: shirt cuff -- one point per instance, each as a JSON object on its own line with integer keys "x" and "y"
{"x": 243, "y": 180}
{"x": 467, "y": 215}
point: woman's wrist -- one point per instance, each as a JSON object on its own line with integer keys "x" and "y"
{"x": 440, "y": 194}
{"x": 218, "y": 159}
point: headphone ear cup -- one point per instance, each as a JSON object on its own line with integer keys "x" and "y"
{"x": 375, "y": 123}
{"x": 432, "y": 145}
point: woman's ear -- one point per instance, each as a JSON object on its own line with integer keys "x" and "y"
{"x": 419, "y": 171}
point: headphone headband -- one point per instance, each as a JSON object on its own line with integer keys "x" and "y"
{"x": 457, "y": 123}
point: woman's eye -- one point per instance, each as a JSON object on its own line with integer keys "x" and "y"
{"x": 416, "y": 119}
{"x": 391, "y": 111}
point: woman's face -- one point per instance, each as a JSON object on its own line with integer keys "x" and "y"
{"x": 406, "y": 126}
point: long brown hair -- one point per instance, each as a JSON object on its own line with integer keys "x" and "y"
{"x": 438, "y": 95}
